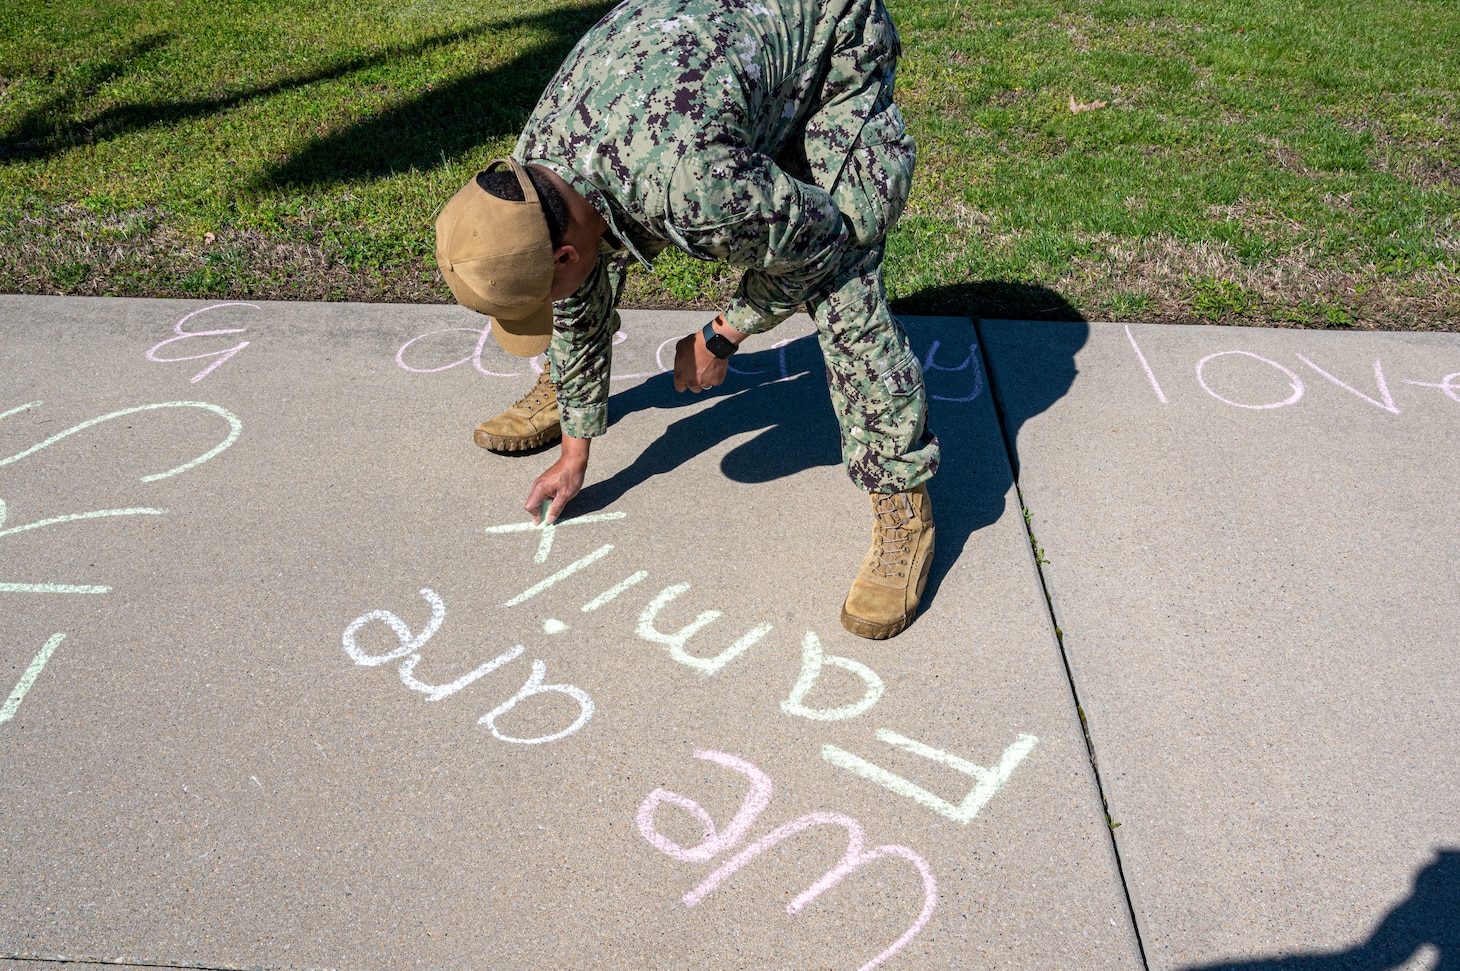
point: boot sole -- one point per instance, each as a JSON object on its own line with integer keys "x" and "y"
{"x": 871, "y": 631}
{"x": 498, "y": 443}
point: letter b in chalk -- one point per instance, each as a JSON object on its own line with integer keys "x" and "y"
{"x": 813, "y": 659}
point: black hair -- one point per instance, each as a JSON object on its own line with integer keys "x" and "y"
{"x": 502, "y": 183}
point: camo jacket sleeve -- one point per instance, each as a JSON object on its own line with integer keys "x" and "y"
{"x": 733, "y": 204}
{"x": 580, "y": 353}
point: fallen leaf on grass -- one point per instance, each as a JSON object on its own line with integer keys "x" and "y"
{"x": 1078, "y": 106}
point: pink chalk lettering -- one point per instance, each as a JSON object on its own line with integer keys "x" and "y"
{"x": 1297, "y": 382}
{"x": 714, "y": 843}
{"x": 930, "y": 364}
{"x": 1160, "y": 395}
{"x": 183, "y": 335}
{"x": 1449, "y": 384}
{"x": 475, "y": 357}
{"x": 855, "y": 859}
{"x": 1387, "y": 404}
{"x": 755, "y": 802}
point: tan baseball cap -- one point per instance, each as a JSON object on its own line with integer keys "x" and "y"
{"x": 497, "y": 257}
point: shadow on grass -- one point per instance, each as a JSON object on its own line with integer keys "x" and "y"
{"x": 990, "y": 299}
{"x": 781, "y": 393}
{"x": 446, "y": 121}
{"x": 1428, "y": 917}
{"x": 441, "y": 122}
{"x": 47, "y": 129}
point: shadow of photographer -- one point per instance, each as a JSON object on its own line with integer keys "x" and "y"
{"x": 1428, "y": 918}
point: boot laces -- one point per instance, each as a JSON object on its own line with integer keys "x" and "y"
{"x": 891, "y": 536}
{"x": 542, "y": 392}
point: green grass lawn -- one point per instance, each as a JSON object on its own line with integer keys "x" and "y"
{"x": 1264, "y": 162}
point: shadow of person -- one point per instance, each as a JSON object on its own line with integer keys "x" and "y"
{"x": 46, "y": 127}
{"x": 1429, "y": 916}
{"x": 781, "y": 394}
{"x": 449, "y": 119}
{"x": 445, "y": 121}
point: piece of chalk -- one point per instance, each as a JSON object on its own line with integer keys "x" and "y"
{"x": 546, "y": 505}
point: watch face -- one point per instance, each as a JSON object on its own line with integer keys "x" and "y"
{"x": 718, "y": 345}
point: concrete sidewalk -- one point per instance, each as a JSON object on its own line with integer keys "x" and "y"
{"x": 295, "y": 685}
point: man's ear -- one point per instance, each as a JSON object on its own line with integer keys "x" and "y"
{"x": 566, "y": 255}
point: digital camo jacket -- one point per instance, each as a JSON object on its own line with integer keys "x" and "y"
{"x": 758, "y": 132}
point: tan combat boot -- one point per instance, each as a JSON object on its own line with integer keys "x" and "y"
{"x": 530, "y": 423}
{"x": 885, "y": 594}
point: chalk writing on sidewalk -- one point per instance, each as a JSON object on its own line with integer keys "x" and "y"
{"x": 480, "y": 341}
{"x": 185, "y": 335}
{"x": 989, "y": 781}
{"x": 235, "y": 428}
{"x": 822, "y": 673}
{"x": 28, "y": 679}
{"x": 408, "y": 653}
{"x": 1228, "y": 377}
{"x": 756, "y": 800}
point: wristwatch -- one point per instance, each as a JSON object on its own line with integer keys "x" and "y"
{"x": 721, "y": 347}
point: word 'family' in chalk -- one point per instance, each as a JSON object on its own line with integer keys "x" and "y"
{"x": 715, "y": 842}
{"x": 1224, "y": 369}
{"x": 815, "y": 662}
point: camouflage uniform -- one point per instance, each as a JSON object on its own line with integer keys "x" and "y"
{"x": 762, "y": 133}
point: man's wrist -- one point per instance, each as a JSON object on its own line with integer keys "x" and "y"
{"x": 720, "y": 338}
{"x": 576, "y": 448}
{"x": 723, "y": 328}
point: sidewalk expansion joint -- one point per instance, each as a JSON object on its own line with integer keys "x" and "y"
{"x": 1040, "y": 562}
{"x": 41, "y": 960}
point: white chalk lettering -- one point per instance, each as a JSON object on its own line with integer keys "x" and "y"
{"x": 27, "y": 680}
{"x": 52, "y": 588}
{"x": 1151, "y": 375}
{"x": 679, "y": 638}
{"x": 1387, "y": 404}
{"x": 608, "y": 595}
{"x": 930, "y": 364}
{"x": 812, "y": 661}
{"x": 534, "y": 686}
{"x": 183, "y": 335}
{"x": 988, "y": 781}
{"x": 435, "y": 692}
{"x": 409, "y": 643}
{"x": 676, "y": 641}
{"x": 74, "y": 517}
{"x": 1449, "y": 384}
{"x": 550, "y": 530}
{"x": 1297, "y": 382}
{"x": 235, "y": 428}
{"x": 562, "y": 574}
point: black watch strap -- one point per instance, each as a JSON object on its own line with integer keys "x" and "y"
{"x": 718, "y": 345}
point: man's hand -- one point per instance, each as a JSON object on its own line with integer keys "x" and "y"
{"x": 695, "y": 368}
{"x": 562, "y": 481}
